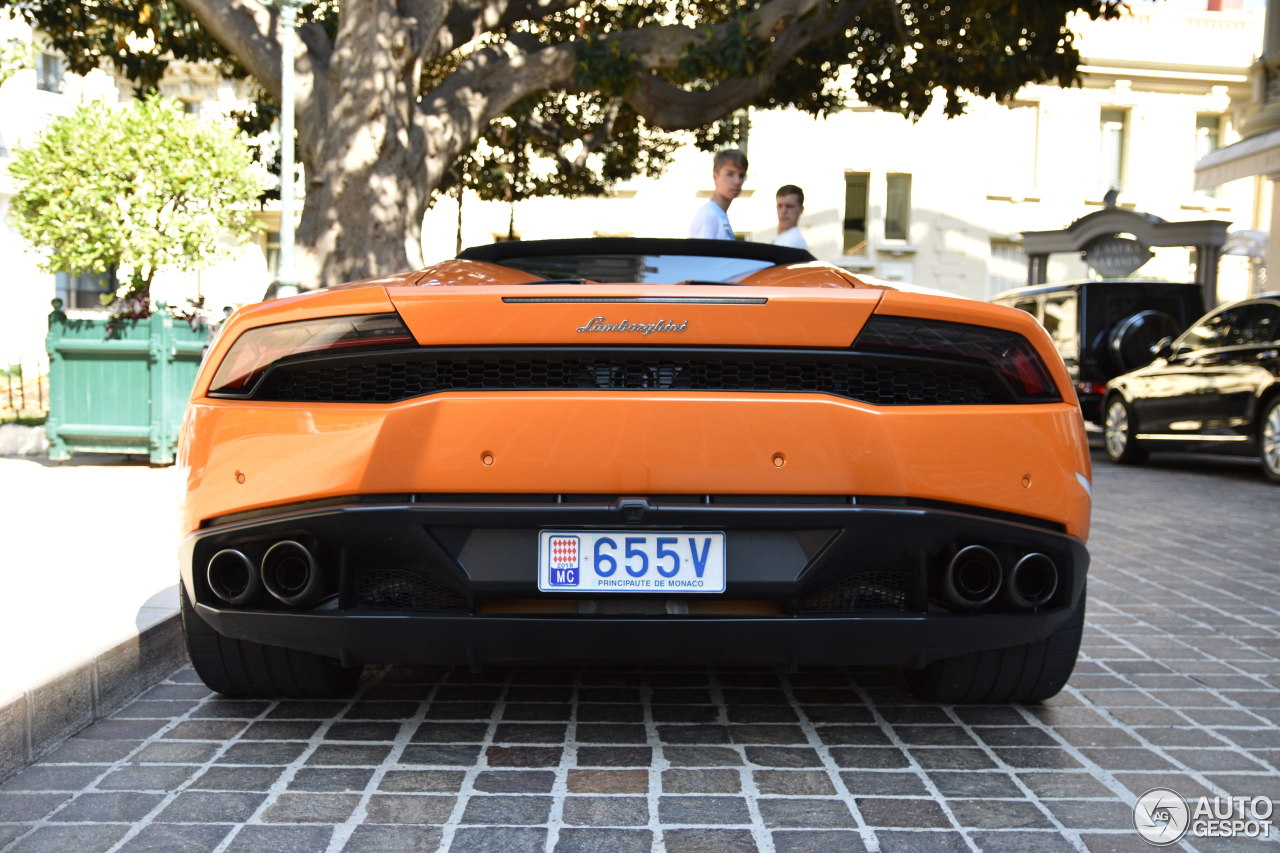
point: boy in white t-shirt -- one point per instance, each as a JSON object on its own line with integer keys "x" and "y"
{"x": 790, "y": 201}
{"x": 711, "y": 222}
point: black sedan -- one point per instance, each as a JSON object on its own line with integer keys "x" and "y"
{"x": 1214, "y": 388}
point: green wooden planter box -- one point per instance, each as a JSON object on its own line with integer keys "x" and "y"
{"x": 122, "y": 392}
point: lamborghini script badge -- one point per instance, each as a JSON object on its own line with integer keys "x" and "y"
{"x": 598, "y": 324}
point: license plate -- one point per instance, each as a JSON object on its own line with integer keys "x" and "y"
{"x": 630, "y": 561}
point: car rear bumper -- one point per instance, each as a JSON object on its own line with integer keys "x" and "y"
{"x": 811, "y": 580}
{"x": 477, "y": 641}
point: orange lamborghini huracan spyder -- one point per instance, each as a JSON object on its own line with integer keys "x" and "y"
{"x": 631, "y": 450}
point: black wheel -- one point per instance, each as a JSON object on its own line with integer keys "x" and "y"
{"x": 1133, "y": 340}
{"x": 243, "y": 668}
{"x": 1028, "y": 673}
{"x": 1118, "y": 432}
{"x": 1269, "y": 439}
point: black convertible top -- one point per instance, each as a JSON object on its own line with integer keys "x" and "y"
{"x": 497, "y": 253}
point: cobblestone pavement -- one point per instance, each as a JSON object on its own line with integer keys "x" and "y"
{"x": 1176, "y": 687}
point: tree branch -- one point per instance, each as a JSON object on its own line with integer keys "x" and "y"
{"x": 490, "y": 80}
{"x": 661, "y": 47}
{"x": 425, "y": 18}
{"x": 467, "y": 20}
{"x": 672, "y": 108}
{"x": 248, "y": 30}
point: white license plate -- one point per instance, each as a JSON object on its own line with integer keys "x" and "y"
{"x": 630, "y": 561}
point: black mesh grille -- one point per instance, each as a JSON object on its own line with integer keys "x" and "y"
{"x": 867, "y": 591}
{"x": 396, "y": 589}
{"x": 390, "y": 376}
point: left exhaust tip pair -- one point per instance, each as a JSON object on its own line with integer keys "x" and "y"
{"x": 289, "y": 572}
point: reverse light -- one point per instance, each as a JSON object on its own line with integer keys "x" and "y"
{"x": 1009, "y": 353}
{"x": 257, "y": 349}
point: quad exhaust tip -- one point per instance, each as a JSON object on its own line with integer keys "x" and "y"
{"x": 972, "y": 578}
{"x": 291, "y": 574}
{"x": 233, "y": 577}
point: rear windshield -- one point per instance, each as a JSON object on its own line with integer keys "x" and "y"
{"x": 648, "y": 269}
{"x": 1120, "y": 306}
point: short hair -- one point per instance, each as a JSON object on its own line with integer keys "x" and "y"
{"x": 790, "y": 189}
{"x": 729, "y": 155}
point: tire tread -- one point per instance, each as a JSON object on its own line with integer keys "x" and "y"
{"x": 1020, "y": 674}
{"x": 243, "y": 668}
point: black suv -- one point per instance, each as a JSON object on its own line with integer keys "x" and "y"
{"x": 1107, "y": 327}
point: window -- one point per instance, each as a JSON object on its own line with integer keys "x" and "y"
{"x": 1015, "y": 137}
{"x": 897, "y": 215}
{"x": 1059, "y": 321}
{"x": 1208, "y": 334}
{"x": 50, "y": 71}
{"x": 1208, "y": 138}
{"x": 1031, "y": 306}
{"x": 857, "y": 187}
{"x": 858, "y": 210}
{"x": 1007, "y": 268}
{"x": 273, "y": 254}
{"x": 83, "y": 290}
{"x": 1113, "y": 130}
{"x": 1255, "y": 325}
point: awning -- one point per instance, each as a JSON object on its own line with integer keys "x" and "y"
{"x": 1257, "y": 155}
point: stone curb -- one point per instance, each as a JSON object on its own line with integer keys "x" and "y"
{"x": 44, "y": 716}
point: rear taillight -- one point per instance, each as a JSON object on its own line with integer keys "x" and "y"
{"x": 1008, "y": 353}
{"x": 257, "y": 349}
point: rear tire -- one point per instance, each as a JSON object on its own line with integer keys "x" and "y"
{"x": 243, "y": 668}
{"x": 1118, "y": 433}
{"x": 1023, "y": 674}
{"x": 1269, "y": 439}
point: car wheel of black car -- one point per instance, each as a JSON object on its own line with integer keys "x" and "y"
{"x": 1117, "y": 433}
{"x": 1027, "y": 673}
{"x": 1269, "y": 439}
{"x": 242, "y": 668}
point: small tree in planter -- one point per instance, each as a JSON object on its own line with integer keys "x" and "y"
{"x": 138, "y": 187}
{"x": 135, "y": 188}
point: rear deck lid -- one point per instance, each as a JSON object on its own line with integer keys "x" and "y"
{"x": 612, "y": 315}
{"x": 635, "y": 292}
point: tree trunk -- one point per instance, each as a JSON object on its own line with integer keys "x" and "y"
{"x": 367, "y": 183}
{"x": 361, "y": 222}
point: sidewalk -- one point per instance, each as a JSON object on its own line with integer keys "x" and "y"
{"x": 88, "y": 595}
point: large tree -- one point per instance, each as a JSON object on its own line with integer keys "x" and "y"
{"x": 393, "y": 95}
